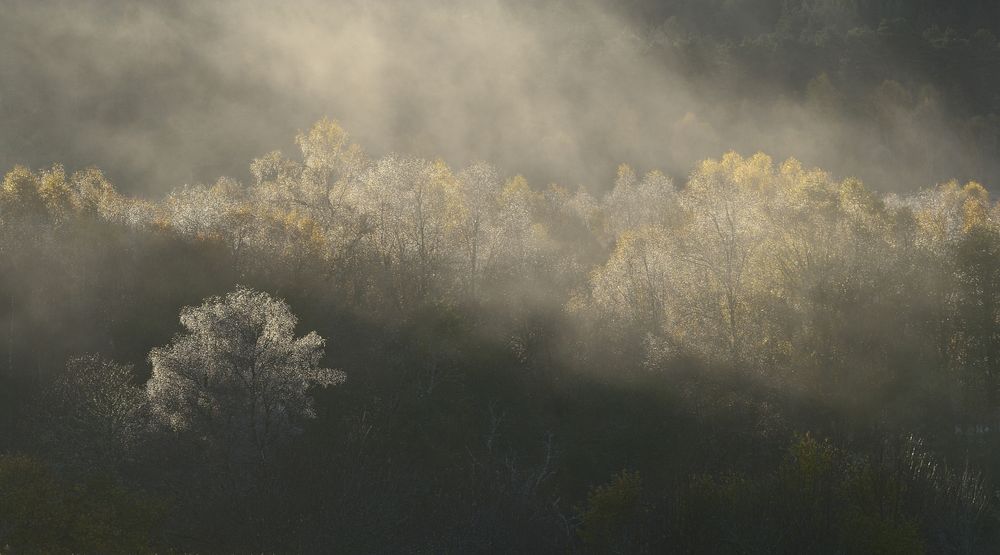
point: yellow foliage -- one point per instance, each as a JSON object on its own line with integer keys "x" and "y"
{"x": 92, "y": 190}
{"x": 755, "y": 173}
{"x": 976, "y": 208}
{"x": 517, "y": 190}
{"x": 800, "y": 182}
{"x": 791, "y": 169}
{"x": 31, "y": 193}
{"x": 20, "y": 187}
{"x": 323, "y": 144}
{"x": 55, "y": 192}
{"x": 855, "y": 197}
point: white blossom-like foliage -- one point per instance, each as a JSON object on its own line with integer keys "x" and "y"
{"x": 238, "y": 375}
{"x": 635, "y": 204}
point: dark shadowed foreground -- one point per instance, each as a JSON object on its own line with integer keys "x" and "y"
{"x": 387, "y": 354}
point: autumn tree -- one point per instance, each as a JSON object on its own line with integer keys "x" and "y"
{"x": 480, "y": 230}
{"x": 635, "y": 204}
{"x": 718, "y": 247}
{"x": 237, "y": 378}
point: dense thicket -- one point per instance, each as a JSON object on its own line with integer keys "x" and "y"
{"x": 765, "y": 358}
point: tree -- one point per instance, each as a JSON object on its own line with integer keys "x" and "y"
{"x": 480, "y": 236}
{"x": 635, "y": 204}
{"x": 96, "y": 414}
{"x": 633, "y": 285}
{"x": 238, "y": 378}
{"x": 203, "y": 212}
{"x": 719, "y": 243}
{"x": 413, "y": 207}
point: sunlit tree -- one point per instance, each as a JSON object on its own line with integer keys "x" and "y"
{"x": 718, "y": 245}
{"x": 480, "y": 230}
{"x": 237, "y": 377}
{"x": 634, "y": 204}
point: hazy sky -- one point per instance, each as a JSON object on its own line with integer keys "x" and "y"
{"x": 166, "y": 93}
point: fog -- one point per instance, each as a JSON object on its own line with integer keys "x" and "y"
{"x": 162, "y": 94}
{"x": 385, "y": 332}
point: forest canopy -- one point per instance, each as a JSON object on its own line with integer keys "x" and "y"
{"x": 477, "y": 319}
